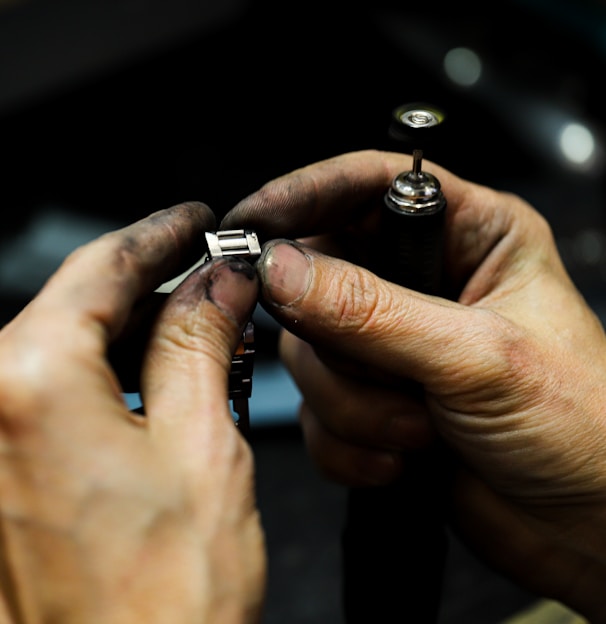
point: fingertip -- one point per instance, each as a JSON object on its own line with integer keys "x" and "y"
{"x": 231, "y": 284}
{"x": 193, "y": 340}
{"x": 285, "y": 271}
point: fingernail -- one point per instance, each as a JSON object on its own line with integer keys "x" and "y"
{"x": 231, "y": 285}
{"x": 285, "y": 272}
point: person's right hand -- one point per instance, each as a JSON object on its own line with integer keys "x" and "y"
{"x": 513, "y": 372}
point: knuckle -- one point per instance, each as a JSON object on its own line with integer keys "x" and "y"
{"x": 196, "y": 337}
{"x": 501, "y": 355}
{"x": 24, "y": 388}
{"x": 361, "y": 306}
{"x": 122, "y": 251}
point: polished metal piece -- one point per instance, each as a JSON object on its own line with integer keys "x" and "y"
{"x": 243, "y": 243}
{"x": 415, "y": 191}
{"x": 419, "y": 118}
{"x": 415, "y": 121}
{"x": 418, "y": 115}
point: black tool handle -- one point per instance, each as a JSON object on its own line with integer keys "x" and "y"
{"x": 394, "y": 541}
{"x": 411, "y": 249}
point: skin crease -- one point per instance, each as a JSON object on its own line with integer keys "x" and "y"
{"x": 110, "y": 517}
{"x": 511, "y": 366}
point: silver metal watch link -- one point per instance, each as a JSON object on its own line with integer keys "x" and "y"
{"x": 242, "y": 243}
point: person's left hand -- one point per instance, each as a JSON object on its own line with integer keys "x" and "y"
{"x": 107, "y": 516}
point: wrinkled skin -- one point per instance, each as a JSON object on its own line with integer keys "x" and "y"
{"x": 107, "y": 516}
{"x": 511, "y": 366}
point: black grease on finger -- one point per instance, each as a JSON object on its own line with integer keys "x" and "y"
{"x": 145, "y": 239}
{"x": 233, "y": 288}
{"x": 316, "y": 199}
{"x": 231, "y": 284}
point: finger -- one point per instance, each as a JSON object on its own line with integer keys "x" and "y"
{"x": 343, "y": 462}
{"x": 356, "y": 411}
{"x": 332, "y": 194}
{"x": 351, "y": 311}
{"x": 185, "y": 375}
{"x": 99, "y": 283}
{"x": 83, "y": 306}
{"x": 319, "y": 197}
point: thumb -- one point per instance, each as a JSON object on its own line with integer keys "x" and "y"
{"x": 185, "y": 374}
{"x": 346, "y": 308}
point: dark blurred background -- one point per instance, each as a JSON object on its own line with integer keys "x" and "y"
{"x": 110, "y": 109}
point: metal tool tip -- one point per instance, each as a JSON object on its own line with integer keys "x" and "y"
{"x": 417, "y": 158}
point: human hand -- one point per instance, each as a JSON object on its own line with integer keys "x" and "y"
{"x": 513, "y": 372}
{"x": 108, "y": 516}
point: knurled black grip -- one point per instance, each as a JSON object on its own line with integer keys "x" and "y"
{"x": 412, "y": 249}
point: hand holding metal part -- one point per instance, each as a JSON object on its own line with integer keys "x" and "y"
{"x": 243, "y": 244}
{"x": 107, "y": 516}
